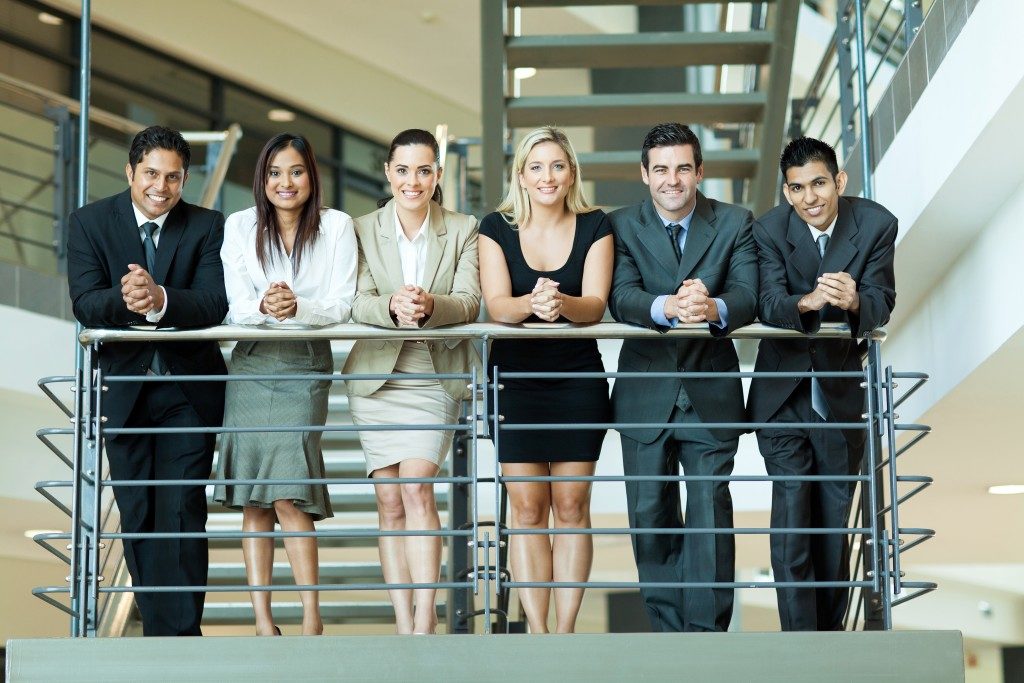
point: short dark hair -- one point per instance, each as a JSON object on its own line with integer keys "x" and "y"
{"x": 158, "y": 137}
{"x": 670, "y": 135}
{"x": 802, "y": 151}
{"x": 416, "y": 136}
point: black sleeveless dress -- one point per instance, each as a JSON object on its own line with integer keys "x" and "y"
{"x": 536, "y": 401}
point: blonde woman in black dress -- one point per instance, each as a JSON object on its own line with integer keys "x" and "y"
{"x": 545, "y": 255}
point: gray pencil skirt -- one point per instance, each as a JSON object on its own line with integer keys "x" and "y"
{"x": 260, "y": 403}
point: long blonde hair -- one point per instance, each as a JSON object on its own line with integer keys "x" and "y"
{"x": 515, "y": 207}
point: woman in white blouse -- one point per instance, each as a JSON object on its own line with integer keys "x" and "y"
{"x": 288, "y": 261}
{"x": 417, "y": 268}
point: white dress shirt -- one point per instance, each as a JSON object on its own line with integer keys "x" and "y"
{"x": 324, "y": 286}
{"x": 154, "y": 316}
{"x": 815, "y": 233}
{"x": 413, "y": 253}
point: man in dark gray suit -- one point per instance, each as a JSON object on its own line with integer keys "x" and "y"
{"x": 823, "y": 258}
{"x": 681, "y": 258}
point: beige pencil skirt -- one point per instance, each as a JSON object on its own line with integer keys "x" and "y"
{"x": 406, "y": 401}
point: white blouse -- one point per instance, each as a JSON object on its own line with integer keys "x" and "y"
{"x": 324, "y": 287}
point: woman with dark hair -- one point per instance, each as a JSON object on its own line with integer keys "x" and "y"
{"x": 288, "y": 262}
{"x": 546, "y": 256}
{"x": 417, "y": 268}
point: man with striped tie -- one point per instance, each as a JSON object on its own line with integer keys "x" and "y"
{"x": 144, "y": 257}
{"x": 822, "y": 258}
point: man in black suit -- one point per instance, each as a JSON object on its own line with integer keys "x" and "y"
{"x": 823, "y": 258}
{"x": 145, "y": 257}
{"x": 681, "y": 258}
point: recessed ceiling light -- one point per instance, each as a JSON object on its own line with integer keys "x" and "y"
{"x": 50, "y": 19}
{"x": 1006, "y": 489}
{"x": 428, "y": 16}
{"x": 524, "y": 72}
{"x": 281, "y": 115}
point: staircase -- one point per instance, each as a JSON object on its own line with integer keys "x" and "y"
{"x": 665, "y": 71}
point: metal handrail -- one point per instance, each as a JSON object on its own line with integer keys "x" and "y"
{"x": 484, "y": 573}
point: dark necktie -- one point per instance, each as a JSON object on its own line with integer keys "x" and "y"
{"x": 156, "y": 366}
{"x": 818, "y": 402}
{"x": 673, "y": 233}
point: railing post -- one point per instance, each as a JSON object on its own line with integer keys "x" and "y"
{"x": 844, "y": 46}
{"x": 913, "y": 17}
{"x": 64, "y": 180}
{"x": 493, "y": 76}
{"x": 873, "y": 499}
{"x": 867, "y": 190}
{"x": 460, "y": 600}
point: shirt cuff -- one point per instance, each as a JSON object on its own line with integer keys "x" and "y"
{"x": 658, "y": 312}
{"x": 154, "y": 316}
{"x": 723, "y": 315}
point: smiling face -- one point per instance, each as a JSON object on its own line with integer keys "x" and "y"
{"x": 547, "y": 175}
{"x": 287, "y": 183}
{"x": 814, "y": 193}
{"x": 156, "y": 181}
{"x": 672, "y": 176}
{"x": 413, "y": 175}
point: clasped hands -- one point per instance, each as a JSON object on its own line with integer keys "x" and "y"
{"x": 546, "y": 300}
{"x": 279, "y": 301}
{"x": 837, "y": 289}
{"x": 411, "y": 305}
{"x": 139, "y": 292}
{"x": 692, "y": 303}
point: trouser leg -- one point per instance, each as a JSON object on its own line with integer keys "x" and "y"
{"x": 707, "y": 557}
{"x": 655, "y": 504}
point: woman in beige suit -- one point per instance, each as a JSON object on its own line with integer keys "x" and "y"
{"x": 417, "y": 268}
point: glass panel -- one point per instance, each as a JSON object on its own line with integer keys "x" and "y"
{"x": 141, "y": 109}
{"x": 23, "y": 21}
{"x": 358, "y": 203}
{"x": 251, "y": 111}
{"x": 154, "y": 71}
{"x": 37, "y": 70}
{"x": 364, "y": 157}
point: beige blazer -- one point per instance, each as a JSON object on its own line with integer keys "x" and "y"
{"x": 452, "y": 275}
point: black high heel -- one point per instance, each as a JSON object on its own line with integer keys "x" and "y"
{"x": 277, "y": 630}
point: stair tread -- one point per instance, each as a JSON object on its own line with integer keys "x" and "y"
{"x": 635, "y": 109}
{"x": 622, "y": 165}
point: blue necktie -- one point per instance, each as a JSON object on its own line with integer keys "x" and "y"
{"x": 673, "y": 233}
{"x": 818, "y": 402}
{"x": 156, "y": 366}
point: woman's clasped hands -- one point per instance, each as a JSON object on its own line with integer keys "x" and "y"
{"x": 279, "y": 301}
{"x": 411, "y": 305}
{"x": 546, "y": 300}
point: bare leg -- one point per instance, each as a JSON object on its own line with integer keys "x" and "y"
{"x": 423, "y": 553}
{"x": 531, "y": 555}
{"x": 571, "y": 555}
{"x": 258, "y": 554}
{"x": 391, "y": 517}
{"x": 303, "y": 556}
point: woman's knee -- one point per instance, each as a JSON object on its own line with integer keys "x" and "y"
{"x": 390, "y": 507}
{"x": 530, "y": 511}
{"x": 571, "y": 510}
{"x": 419, "y": 498}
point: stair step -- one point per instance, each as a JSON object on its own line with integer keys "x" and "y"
{"x": 232, "y": 573}
{"x": 362, "y": 501}
{"x": 573, "y": 3}
{"x": 731, "y": 163}
{"x": 375, "y": 612}
{"x": 655, "y": 49}
{"x": 635, "y": 109}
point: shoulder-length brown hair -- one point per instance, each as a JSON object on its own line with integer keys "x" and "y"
{"x": 268, "y": 237}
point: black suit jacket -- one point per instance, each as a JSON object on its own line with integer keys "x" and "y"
{"x": 103, "y": 239}
{"x": 862, "y": 244}
{"x": 720, "y": 251}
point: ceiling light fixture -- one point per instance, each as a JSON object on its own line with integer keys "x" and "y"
{"x": 50, "y": 19}
{"x": 1006, "y": 489}
{"x": 281, "y": 115}
{"x": 524, "y": 72}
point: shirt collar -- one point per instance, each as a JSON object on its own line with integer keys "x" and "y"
{"x": 815, "y": 233}
{"x": 401, "y": 233}
{"x": 684, "y": 222}
{"x": 140, "y": 218}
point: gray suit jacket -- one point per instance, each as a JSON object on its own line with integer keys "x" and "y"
{"x": 452, "y": 275}
{"x": 720, "y": 251}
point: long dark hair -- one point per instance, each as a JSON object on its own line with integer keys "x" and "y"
{"x": 267, "y": 233}
{"x": 416, "y": 136}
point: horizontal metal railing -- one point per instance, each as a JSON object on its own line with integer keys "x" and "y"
{"x": 883, "y": 537}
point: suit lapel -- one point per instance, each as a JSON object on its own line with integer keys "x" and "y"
{"x": 841, "y": 250}
{"x": 170, "y": 236}
{"x": 804, "y": 256}
{"x": 387, "y": 244}
{"x": 127, "y": 236}
{"x": 699, "y": 237}
{"x": 651, "y": 233}
{"x": 437, "y": 238}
